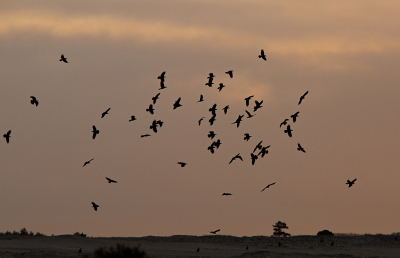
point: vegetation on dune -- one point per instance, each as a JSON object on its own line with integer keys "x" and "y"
{"x": 278, "y": 229}
{"x": 22, "y": 232}
{"x": 325, "y": 232}
{"x": 120, "y": 252}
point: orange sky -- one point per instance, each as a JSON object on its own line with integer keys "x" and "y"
{"x": 345, "y": 54}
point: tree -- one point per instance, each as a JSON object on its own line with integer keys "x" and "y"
{"x": 120, "y": 252}
{"x": 278, "y": 229}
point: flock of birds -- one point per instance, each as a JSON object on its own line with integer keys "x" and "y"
{"x": 261, "y": 150}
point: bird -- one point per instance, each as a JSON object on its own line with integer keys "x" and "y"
{"x": 253, "y": 158}
{"x": 201, "y": 119}
{"x": 145, "y": 135}
{"x": 7, "y": 136}
{"x": 258, "y": 105}
{"x": 95, "y": 206}
{"x": 211, "y": 135}
{"x": 279, "y": 244}
{"x": 183, "y": 164}
{"x": 153, "y": 126}
{"x": 351, "y": 183}
{"x": 150, "y": 109}
{"x": 162, "y": 76}
{"x": 332, "y": 243}
{"x": 34, "y": 101}
{"x": 263, "y": 151}
{"x": 284, "y": 122}
{"x": 210, "y": 76}
{"x": 95, "y": 132}
{"x": 230, "y": 72}
{"x": 262, "y": 55}
{"x": 211, "y": 148}
{"x": 221, "y": 86}
{"x": 213, "y": 109}
{"x": 177, "y": 104}
{"x": 217, "y": 143}
{"x": 215, "y": 231}
{"x": 212, "y": 119}
{"x": 247, "y": 137}
{"x": 209, "y": 83}
{"x": 395, "y": 238}
{"x": 133, "y": 118}
{"x": 162, "y": 86}
{"x": 87, "y": 162}
{"x": 302, "y": 97}
{"x": 201, "y": 98}
{"x": 226, "y": 194}
{"x": 80, "y": 250}
{"x": 268, "y": 186}
{"x": 299, "y": 148}
{"x": 321, "y": 240}
{"x": 248, "y": 114}
{"x": 111, "y": 181}
{"x": 238, "y": 120}
{"x": 63, "y": 59}
{"x": 294, "y": 116}
{"x": 155, "y": 98}
{"x": 236, "y": 157}
{"x": 105, "y": 113}
{"x": 225, "y": 109}
{"x": 259, "y": 146}
{"x": 248, "y": 100}
{"x": 288, "y": 131}
{"x": 160, "y": 123}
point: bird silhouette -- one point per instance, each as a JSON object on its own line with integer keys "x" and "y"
{"x": 209, "y": 83}
{"x": 160, "y": 123}
{"x": 201, "y": 119}
{"x": 226, "y": 194}
{"x": 215, "y": 231}
{"x": 153, "y": 126}
{"x": 263, "y": 151}
{"x": 183, "y": 164}
{"x": 162, "y": 76}
{"x": 284, "y": 122}
{"x": 238, "y": 120}
{"x": 351, "y": 183}
{"x": 213, "y": 109}
{"x": 258, "y": 105}
{"x": 212, "y": 119}
{"x": 230, "y": 72}
{"x": 236, "y": 157}
{"x": 95, "y": 206}
{"x": 201, "y": 98}
{"x": 150, "y": 109}
{"x": 111, "y": 181}
{"x": 262, "y": 55}
{"x": 155, "y": 98}
{"x": 87, "y": 162}
{"x": 259, "y": 146}
{"x": 105, "y": 113}
{"x": 217, "y": 143}
{"x": 177, "y": 104}
{"x": 7, "y": 136}
{"x": 332, "y": 243}
{"x": 162, "y": 86}
{"x": 221, "y": 86}
{"x": 248, "y": 100}
{"x": 145, "y": 135}
{"x": 247, "y": 137}
{"x": 63, "y": 59}
{"x": 95, "y": 132}
{"x": 294, "y": 116}
{"x": 248, "y": 114}
{"x": 210, "y": 76}
{"x": 268, "y": 186}
{"x": 211, "y": 148}
{"x": 299, "y": 148}
{"x": 133, "y": 118}
{"x": 34, "y": 101}
{"x": 302, "y": 97}
{"x": 211, "y": 135}
{"x": 253, "y": 158}
{"x": 288, "y": 131}
{"x": 225, "y": 109}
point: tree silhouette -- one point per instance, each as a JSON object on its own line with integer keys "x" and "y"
{"x": 278, "y": 229}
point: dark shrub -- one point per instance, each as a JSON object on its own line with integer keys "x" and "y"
{"x": 325, "y": 233}
{"x": 24, "y": 232}
{"x": 120, "y": 252}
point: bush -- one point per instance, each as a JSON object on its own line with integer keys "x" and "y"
{"x": 23, "y": 232}
{"x": 325, "y": 233}
{"x": 120, "y": 252}
{"x": 39, "y": 234}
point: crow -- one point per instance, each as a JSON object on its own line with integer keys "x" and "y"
{"x": 162, "y": 76}
{"x": 262, "y": 55}
{"x": 95, "y": 132}
{"x": 215, "y": 231}
{"x": 288, "y": 131}
{"x": 212, "y": 120}
{"x": 155, "y": 98}
{"x": 350, "y": 183}
{"x": 201, "y": 98}
{"x": 145, "y": 135}
{"x": 150, "y": 109}
{"x": 160, "y": 123}
{"x": 211, "y": 148}
{"x": 87, "y": 162}
{"x": 226, "y": 194}
{"x": 7, "y": 136}
{"x": 253, "y": 158}
{"x": 284, "y": 122}
{"x": 230, "y": 72}
{"x": 236, "y": 157}
{"x": 248, "y": 114}
{"x": 211, "y": 76}
{"x": 162, "y": 86}
{"x": 95, "y": 206}
{"x": 63, "y": 59}
{"x": 294, "y": 116}
{"x": 105, "y": 113}
{"x": 259, "y": 146}
{"x": 153, "y": 126}
{"x": 248, "y": 100}
{"x": 268, "y": 186}
{"x": 258, "y": 105}
{"x": 238, "y": 120}
{"x": 177, "y": 104}
{"x": 299, "y": 148}
{"x": 302, "y": 97}
{"x": 209, "y": 83}
{"x": 221, "y": 86}
{"x": 211, "y": 135}
{"x": 263, "y": 151}
{"x": 247, "y": 137}
{"x": 133, "y": 118}
{"x": 217, "y": 143}
{"x": 225, "y": 109}
{"x": 110, "y": 180}
{"x": 182, "y": 164}
{"x": 213, "y": 109}
{"x": 201, "y": 119}
{"x": 34, "y": 101}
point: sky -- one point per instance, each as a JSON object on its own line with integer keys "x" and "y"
{"x": 344, "y": 53}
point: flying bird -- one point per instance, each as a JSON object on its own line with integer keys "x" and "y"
{"x": 105, "y": 113}
{"x": 111, "y": 181}
{"x": 215, "y": 231}
{"x": 201, "y": 119}
{"x": 209, "y": 83}
{"x": 210, "y": 76}
{"x": 299, "y": 148}
{"x": 288, "y": 131}
{"x": 211, "y": 148}
{"x": 155, "y": 98}
{"x": 262, "y": 55}
{"x": 162, "y": 76}
{"x": 177, "y": 104}
{"x": 133, "y": 118}
{"x": 236, "y": 157}
{"x": 302, "y": 97}
{"x": 225, "y": 109}
{"x": 145, "y": 135}
{"x": 95, "y": 132}
{"x": 63, "y": 59}
{"x": 230, "y": 72}
{"x": 217, "y": 143}
{"x": 350, "y": 183}
{"x": 34, "y": 101}
{"x": 212, "y": 119}
{"x": 284, "y": 122}
{"x": 259, "y": 146}
{"x": 153, "y": 126}
{"x": 162, "y": 86}
{"x": 248, "y": 114}
{"x": 87, "y": 162}
{"x": 95, "y": 206}
{"x": 221, "y": 86}
{"x": 211, "y": 135}
{"x": 263, "y": 151}
{"x": 253, "y": 158}
{"x": 201, "y": 98}
{"x": 268, "y": 186}
{"x": 294, "y": 116}
{"x": 226, "y": 194}
{"x": 258, "y": 105}
{"x": 248, "y": 100}
{"x": 150, "y": 109}
{"x": 7, "y": 136}
{"x": 238, "y": 120}
{"x": 182, "y": 164}
{"x": 247, "y": 137}
{"x": 213, "y": 109}
{"x": 160, "y": 123}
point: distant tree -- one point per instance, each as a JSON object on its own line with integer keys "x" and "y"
{"x": 39, "y": 234}
{"x": 325, "y": 233}
{"x": 7, "y": 233}
{"x": 31, "y": 233}
{"x": 120, "y": 252}
{"x": 23, "y": 231}
{"x": 15, "y": 232}
{"x": 278, "y": 229}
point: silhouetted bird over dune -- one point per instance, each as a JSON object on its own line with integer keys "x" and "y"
{"x": 253, "y": 158}
{"x": 268, "y": 186}
{"x": 153, "y": 126}
{"x": 236, "y": 157}
{"x": 294, "y": 116}
{"x": 284, "y": 122}
{"x": 211, "y": 135}
{"x": 34, "y": 101}
{"x": 213, "y": 109}
{"x": 95, "y": 132}
{"x": 63, "y": 59}
{"x": 259, "y": 146}
{"x": 212, "y": 119}
{"x": 110, "y": 180}
{"x": 226, "y": 194}
{"x": 247, "y": 137}
{"x": 262, "y": 55}
{"x": 230, "y": 72}
{"x": 155, "y": 98}
{"x": 351, "y": 183}
{"x": 299, "y": 148}
{"x": 87, "y": 162}
{"x": 145, "y": 135}
{"x": 177, "y": 104}
{"x": 248, "y": 114}
{"x": 225, "y": 109}
{"x": 7, "y": 136}
{"x": 201, "y": 119}
{"x": 183, "y": 164}
{"x": 133, "y": 118}
{"x": 105, "y": 113}
{"x": 150, "y": 109}
{"x": 248, "y": 100}
{"x": 258, "y": 105}
{"x": 95, "y": 206}
{"x": 201, "y": 98}
{"x": 302, "y": 97}
{"x": 162, "y": 76}
{"x": 162, "y": 86}
{"x": 215, "y": 231}
{"x": 238, "y": 120}
{"x": 263, "y": 151}
{"x": 221, "y": 86}
{"x": 288, "y": 131}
